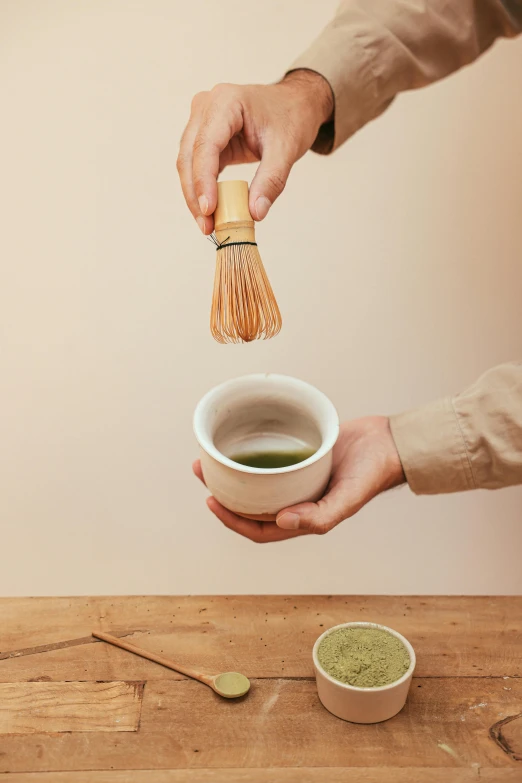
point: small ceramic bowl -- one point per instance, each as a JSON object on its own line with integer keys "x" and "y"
{"x": 363, "y": 705}
{"x": 265, "y": 412}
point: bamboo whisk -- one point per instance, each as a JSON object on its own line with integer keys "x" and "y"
{"x": 243, "y": 303}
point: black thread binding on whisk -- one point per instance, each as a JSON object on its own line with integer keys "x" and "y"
{"x": 212, "y": 238}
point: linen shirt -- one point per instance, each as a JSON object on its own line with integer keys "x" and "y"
{"x": 371, "y": 51}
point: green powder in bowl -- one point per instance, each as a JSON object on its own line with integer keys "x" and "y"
{"x": 363, "y": 657}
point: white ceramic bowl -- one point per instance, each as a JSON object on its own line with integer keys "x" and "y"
{"x": 363, "y": 705}
{"x": 265, "y": 412}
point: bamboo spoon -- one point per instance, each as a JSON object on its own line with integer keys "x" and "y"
{"x": 230, "y": 685}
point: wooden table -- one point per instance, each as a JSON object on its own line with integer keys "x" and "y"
{"x": 75, "y": 709}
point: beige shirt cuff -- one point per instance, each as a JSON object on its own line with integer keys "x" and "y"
{"x": 374, "y": 49}
{"x": 432, "y": 449}
{"x": 355, "y": 98}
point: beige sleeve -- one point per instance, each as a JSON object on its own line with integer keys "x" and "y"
{"x": 374, "y": 49}
{"x": 471, "y": 441}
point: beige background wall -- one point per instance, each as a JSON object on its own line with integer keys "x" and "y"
{"x": 397, "y": 263}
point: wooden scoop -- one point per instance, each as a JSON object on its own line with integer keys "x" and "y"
{"x": 230, "y": 685}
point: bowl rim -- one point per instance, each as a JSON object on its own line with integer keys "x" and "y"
{"x": 361, "y": 624}
{"x": 207, "y": 445}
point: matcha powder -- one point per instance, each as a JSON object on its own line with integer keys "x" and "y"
{"x": 364, "y": 657}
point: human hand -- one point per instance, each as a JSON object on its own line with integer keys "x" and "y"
{"x": 275, "y": 124}
{"x": 365, "y": 463}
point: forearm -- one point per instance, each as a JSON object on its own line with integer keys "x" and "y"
{"x": 373, "y": 50}
{"x": 471, "y": 441}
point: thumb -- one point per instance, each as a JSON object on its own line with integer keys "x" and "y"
{"x": 336, "y": 506}
{"x": 270, "y": 179}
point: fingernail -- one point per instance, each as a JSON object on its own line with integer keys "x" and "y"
{"x": 288, "y": 521}
{"x": 201, "y": 223}
{"x": 262, "y": 206}
{"x": 203, "y": 204}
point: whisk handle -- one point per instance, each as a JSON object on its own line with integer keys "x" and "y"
{"x": 232, "y": 204}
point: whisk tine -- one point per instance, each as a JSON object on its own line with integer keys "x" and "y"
{"x": 244, "y": 307}
{"x": 243, "y": 304}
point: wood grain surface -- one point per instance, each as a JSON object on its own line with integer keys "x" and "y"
{"x": 29, "y": 707}
{"x": 462, "y": 722}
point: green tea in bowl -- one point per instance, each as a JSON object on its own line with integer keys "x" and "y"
{"x": 266, "y": 443}
{"x": 277, "y": 458}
